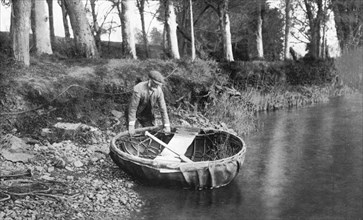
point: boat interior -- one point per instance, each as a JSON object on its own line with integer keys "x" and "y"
{"x": 195, "y": 144}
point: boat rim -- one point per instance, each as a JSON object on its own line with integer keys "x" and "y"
{"x": 169, "y": 164}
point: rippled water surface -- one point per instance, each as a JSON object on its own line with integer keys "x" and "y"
{"x": 303, "y": 164}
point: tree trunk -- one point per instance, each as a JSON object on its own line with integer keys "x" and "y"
{"x": 128, "y": 36}
{"x": 141, "y": 7}
{"x": 333, "y": 46}
{"x": 51, "y": 21}
{"x": 226, "y": 31}
{"x": 315, "y": 28}
{"x": 287, "y": 30}
{"x": 259, "y": 42}
{"x": 96, "y": 27}
{"x": 165, "y": 41}
{"x": 83, "y": 38}
{"x": 41, "y": 32}
{"x": 65, "y": 20}
{"x": 319, "y": 20}
{"x": 323, "y": 44}
{"x": 20, "y": 30}
{"x": 32, "y": 26}
{"x": 182, "y": 22}
{"x": 192, "y": 29}
{"x": 171, "y": 28}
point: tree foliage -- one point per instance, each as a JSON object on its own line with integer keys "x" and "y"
{"x": 349, "y": 22}
{"x": 156, "y": 37}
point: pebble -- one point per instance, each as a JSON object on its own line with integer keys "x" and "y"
{"x": 50, "y": 169}
{"x": 94, "y": 159}
{"x": 78, "y": 163}
{"x": 39, "y": 168}
{"x": 69, "y": 168}
{"x": 129, "y": 184}
{"x": 47, "y": 177}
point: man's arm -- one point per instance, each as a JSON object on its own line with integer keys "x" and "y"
{"x": 134, "y": 103}
{"x": 164, "y": 111}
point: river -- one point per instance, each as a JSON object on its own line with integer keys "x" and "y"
{"x": 304, "y": 163}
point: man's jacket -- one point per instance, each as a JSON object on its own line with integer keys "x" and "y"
{"x": 140, "y": 100}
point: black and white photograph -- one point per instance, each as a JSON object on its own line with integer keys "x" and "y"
{"x": 181, "y": 109}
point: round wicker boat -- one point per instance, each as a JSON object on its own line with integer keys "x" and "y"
{"x": 214, "y": 157}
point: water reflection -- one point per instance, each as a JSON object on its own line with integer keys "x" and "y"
{"x": 303, "y": 164}
{"x": 168, "y": 203}
{"x": 275, "y": 180}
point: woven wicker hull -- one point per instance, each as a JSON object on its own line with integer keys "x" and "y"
{"x": 217, "y": 158}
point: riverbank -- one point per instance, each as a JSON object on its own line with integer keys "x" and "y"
{"x": 64, "y": 113}
{"x": 79, "y": 182}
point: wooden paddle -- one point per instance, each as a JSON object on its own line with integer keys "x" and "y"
{"x": 182, "y": 157}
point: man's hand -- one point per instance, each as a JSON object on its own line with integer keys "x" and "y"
{"x": 167, "y": 129}
{"x": 131, "y": 130}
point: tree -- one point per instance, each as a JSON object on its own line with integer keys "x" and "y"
{"x": 84, "y": 41}
{"x": 192, "y": 29}
{"x": 273, "y": 34}
{"x": 51, "y": 21}
{"x": 62, "y": 4}
{"x": 287, "y": 30}
{"x": 96, "y": 27}
{"x": 127, "y": 25}
{"x": 349, "y": 22}
{"x": 170, "y": 27}
{"x": 259, "y": 41}
{"x": 316, "y": 28}
{"x": 226, "y": 31}
{"x": 41, "y": 31}
{"x": 20, "y": 28}
{"x": 98, "y": 24}
{"x": 221, "y": 8}
{"x": 141, "y": 6}
{"x": 315, "y": 24}
{"x": 156, "y": 36}
{"x": 183, "y": 21}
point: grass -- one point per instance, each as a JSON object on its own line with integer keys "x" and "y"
{"x": 234, "y": 111}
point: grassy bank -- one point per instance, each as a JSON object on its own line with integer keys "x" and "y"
{"x": 199, "y": 93}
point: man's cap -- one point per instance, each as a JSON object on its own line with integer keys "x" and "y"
{"x": 156, "y": 76}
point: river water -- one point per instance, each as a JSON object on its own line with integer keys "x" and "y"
{"x": 303, "y": 163}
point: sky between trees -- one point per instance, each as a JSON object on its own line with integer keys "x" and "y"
{"x": 151, "y": 21}
{"x": 299, "y": 45}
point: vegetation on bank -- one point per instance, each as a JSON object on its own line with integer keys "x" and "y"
{"x": 87, "y": 91}
{"x": 201, "y": 93}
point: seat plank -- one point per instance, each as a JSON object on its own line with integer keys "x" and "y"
{"x": 180, "y": 142}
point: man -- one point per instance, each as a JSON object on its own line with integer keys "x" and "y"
{"x": 143, "y": 100}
